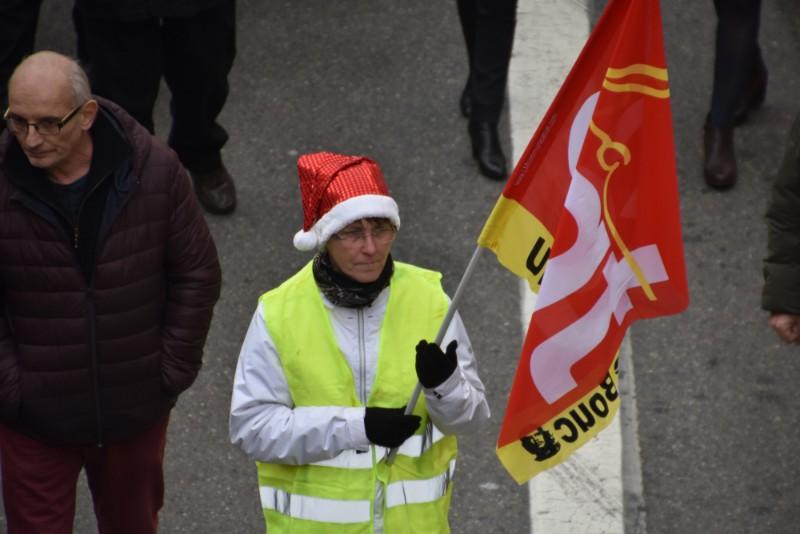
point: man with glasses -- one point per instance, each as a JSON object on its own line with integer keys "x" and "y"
{"x": 332, "y": 356}
{"x": 108, "y": 278}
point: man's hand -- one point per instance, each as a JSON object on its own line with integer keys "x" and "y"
{"x": 787, "y": 326}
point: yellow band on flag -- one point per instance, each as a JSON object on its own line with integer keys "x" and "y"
{"x": 555, "y": 441}
{"x": 519, "y": 240}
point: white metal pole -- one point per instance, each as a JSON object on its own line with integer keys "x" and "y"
{"x": 442, "y": 330}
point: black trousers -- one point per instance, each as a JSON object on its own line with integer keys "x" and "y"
{"x": 194, "y": 54}
{"x": 737, "y": 54}
{"x": 18, "y": 20}
{"x": 488, "y": 27}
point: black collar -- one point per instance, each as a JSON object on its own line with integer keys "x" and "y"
{"x": 342, "y": 290}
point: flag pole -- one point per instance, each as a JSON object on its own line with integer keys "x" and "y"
{"x": 442, "y": 330}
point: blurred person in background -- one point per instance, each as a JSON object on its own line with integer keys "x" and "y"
{"x": 488, "y": 28}
{"x": 740, "y": 86}
{"x": 18, "y": 21}
{"x": 128, "y": 45}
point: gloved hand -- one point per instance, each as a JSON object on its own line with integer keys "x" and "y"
{"x": 389, "y": 427}
{"x": 433, "y": 365}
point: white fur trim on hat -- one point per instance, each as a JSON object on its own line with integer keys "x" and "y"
{"x": 342, "y": 214}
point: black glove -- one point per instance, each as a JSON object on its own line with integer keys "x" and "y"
{"x": 433, "y": 365}
{"x": 389, "y": 427}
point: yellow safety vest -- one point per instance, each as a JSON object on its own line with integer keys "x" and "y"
{"x": 357, "y": 492}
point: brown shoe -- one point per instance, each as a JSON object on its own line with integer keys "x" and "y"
{"x": 215, "y": 190}
{"x": 719, "y": 166}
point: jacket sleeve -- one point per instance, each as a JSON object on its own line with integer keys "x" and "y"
{"x": 458, "y": 405}
{"x": 9, "y": 371}
{"x": 781, "y": 291}
{"x": 193, "y": 287}
{"x": 264, "y": 421}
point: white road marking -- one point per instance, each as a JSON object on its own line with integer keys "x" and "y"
{"x": 585, "y": 493}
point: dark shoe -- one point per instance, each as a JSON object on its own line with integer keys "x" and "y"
{"x": 465, "y": 103}
{"x": 719, "y": 166}
{"x": 486, "y": 149}
{"x": 755, "y": 93}
{"x": 215, "y": 190}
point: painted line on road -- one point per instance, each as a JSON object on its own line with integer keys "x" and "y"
{"x": 598, "y": 489}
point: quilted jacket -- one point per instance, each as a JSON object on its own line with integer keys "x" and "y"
{"x": 103, "y": 318}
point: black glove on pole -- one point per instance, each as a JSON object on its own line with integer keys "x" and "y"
{"x": 389, "y": 427}
{"x": 433, "y": 365}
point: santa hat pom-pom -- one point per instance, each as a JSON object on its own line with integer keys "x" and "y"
{"x": 305, "y": 240}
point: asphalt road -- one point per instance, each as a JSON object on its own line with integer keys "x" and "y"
{"x": 717, "y": 401}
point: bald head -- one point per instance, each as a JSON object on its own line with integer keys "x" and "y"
{"x": 50, "y": 75}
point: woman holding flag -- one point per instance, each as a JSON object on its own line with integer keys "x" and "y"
{"x": 330, "y": 360}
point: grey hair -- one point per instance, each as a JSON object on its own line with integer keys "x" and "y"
{"x": 81, "y": 91}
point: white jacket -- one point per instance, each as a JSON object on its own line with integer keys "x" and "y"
{"x": 265, "y": 423}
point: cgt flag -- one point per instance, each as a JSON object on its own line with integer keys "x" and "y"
{"x": 590, "y": 218}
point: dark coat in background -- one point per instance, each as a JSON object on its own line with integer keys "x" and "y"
{"x": 103, "y": 314}
{"x": 782, "y": 264}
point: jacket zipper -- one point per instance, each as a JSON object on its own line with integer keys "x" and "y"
{"x": 93, "y": 365}
{"x": 362, "y": 357}
{"x": 379, "y": 495}
{"x": 76, "y": 224}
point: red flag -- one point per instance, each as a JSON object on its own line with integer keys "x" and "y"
{"x": 590, "y": 217}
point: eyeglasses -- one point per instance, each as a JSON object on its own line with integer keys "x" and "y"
{"x": 380, "y": 233}
{"x": 48, "y": 126}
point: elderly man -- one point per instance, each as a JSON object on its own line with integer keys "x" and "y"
{"x": 108, "y": 278}
{"x": 332, "y": 356}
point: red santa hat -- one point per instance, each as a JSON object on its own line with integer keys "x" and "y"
{"x": 337, "y": 190}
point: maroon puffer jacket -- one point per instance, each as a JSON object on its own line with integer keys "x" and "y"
{"x": 99, "y": 358}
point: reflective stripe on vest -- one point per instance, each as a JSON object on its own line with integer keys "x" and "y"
{"x": 419, "y": 491}
{"x": 314, "y": 508}
{"x": 415, "y": 446}
{"x": 346, "y": 511}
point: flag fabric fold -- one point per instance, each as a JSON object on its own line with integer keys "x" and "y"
{"x": 590, "y": 218}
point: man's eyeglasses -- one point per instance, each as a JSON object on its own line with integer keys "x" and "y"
{"x": 48, "y": 126}
{"x": 380, "y": 233}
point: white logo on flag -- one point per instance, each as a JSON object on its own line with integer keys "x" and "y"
{"x": 552, "y": 360}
